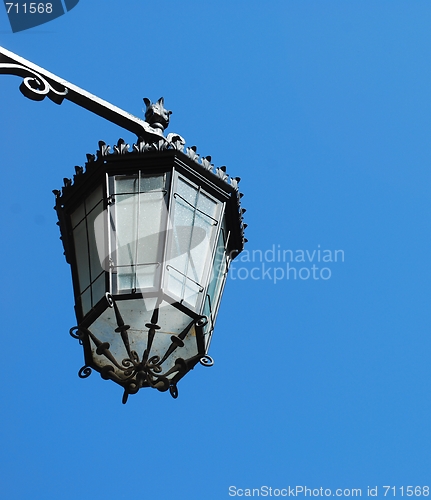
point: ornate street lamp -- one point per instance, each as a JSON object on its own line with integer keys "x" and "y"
{"x": 149, "y": 232}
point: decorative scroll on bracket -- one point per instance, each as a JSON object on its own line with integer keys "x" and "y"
{"x": 38, "y": 83}
{"x": 34, "y": 86}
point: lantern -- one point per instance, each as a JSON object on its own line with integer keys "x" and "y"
{"x": 149, "y": 233}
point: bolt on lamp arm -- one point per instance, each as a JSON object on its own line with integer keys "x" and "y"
{"x": 38, "y": 83}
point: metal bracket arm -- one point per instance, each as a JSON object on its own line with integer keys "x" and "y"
{"x": 38, "y": 83}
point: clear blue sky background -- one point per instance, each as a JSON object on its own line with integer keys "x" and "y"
{"x": 324, "y": 110}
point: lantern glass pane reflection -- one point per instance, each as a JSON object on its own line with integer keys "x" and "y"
{"x": 195, "y": 218}
{"x": 138, "y": 222}
{"x": 217, "y": 281}
{"x": 90, "y": 272}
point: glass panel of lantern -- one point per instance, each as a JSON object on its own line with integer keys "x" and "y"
{"x": 194, "y": 224}
{"x": 90, "y": 287}
{"x": 217, "y": 282}
{"x": 137, "y": 223}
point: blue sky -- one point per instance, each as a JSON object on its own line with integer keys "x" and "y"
{"x": 324, "y": 111}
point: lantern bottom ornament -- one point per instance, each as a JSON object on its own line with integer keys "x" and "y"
{"x": 149, "y": 232}
{"x": 134, "y": 372}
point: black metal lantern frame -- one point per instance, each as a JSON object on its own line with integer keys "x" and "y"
{"x": 149, "y": 233}
{"x": 147, "y": 296}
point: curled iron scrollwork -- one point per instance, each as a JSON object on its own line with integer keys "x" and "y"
{"x": 109, "y": 299}
{"x": 84, "y": 372}
{"x": 34, "y": 86}
{"x": 206, "y": 360}
{"x": 77, "y": 333}
{"x": 202, "y": 321}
